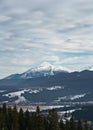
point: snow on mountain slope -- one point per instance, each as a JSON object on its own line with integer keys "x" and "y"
{"x": 45, "y": 69}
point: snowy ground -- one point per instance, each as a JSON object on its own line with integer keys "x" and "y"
{"x": 54, "y": 95}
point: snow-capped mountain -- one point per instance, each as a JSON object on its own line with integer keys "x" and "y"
{"x": 45, "y": 69}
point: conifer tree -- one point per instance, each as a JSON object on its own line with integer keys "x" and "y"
{"x": 27, "y": 120}
{"x": 62, "y": 125}
{"x": 15, "y": 118}
{"x": 1, "y": 120}
{"x": 37, "y": 110}
{"x": 79, "y": 125}
{"x": 72, "y": 124}
{"x": 67, "y": 126}
{"x": 9, "y": 119}
{"x": 4, "y": 116}
{"x": 39, "y": 119}
{"x": 21, "y": 120}
{"x": 33, "y": 121}
{"x": 53, "y": 120}
{"x": 4, "y": 108}
{"x": 86, "y": 127}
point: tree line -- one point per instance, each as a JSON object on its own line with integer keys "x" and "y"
{"x": 11, "y": 119}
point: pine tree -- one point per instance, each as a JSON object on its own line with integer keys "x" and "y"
{"x": 86, "y": 127}
{"x": 53, "y": 120}
{"x": 33, "y": 121}
{"x": 37, "y": 110}
{"x": 46, "y": 123}
{"x": 4, "y": 108}
{"x": 62, "y": 125}
{"x": 79, "y": 125}
{"x": 72, "y": 124}
{"x": 27, "y": 120}
{"x": 67, "y": 126}
{"x": 4, "y": 112}
{"x": 15, "y": 119}
{"x": 1, "y": 120}
{"x": 39, "y": 119}
{"x": 11, "y": 119}
{"x": 21, "y": 120}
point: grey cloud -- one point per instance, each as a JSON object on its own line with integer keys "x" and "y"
{"x": 35, "y": 31}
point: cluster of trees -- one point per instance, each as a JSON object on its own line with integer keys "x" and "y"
{"x": 11, "y": 119}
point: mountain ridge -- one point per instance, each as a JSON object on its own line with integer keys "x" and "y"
{"x": 45, "y": 69}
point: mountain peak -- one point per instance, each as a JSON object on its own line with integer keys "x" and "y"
{"x": 42, "y": 67}
{"x": 46, "y": 65}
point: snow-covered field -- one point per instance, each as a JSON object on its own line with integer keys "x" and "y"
{"x": 54, "y": 95}
{"x": 55, "y": 88}
{"x": 1, "y": 91}
{"x": 20, "y": 93}
{"x": 70, "y": 97}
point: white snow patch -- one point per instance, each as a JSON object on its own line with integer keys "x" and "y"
{"x": 77, "y": 96}
{"x": 14, "y": 94}
{"x": 1, "y": 91}
{"x": 70, "y": 97}
{"x": 55, "y": 88}
{"x": 69, "y": 111}
{"x": 35, "y": 91}
{"x": 60, "y": 98}
{"x": 44, "y": 66}
{"x": 20, "y": 99}
{"x": 17, "y": 94}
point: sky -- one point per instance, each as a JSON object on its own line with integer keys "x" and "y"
{"x": 36, "y": 31}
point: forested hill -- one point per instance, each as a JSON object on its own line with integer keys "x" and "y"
{"x": 11, "y": 119}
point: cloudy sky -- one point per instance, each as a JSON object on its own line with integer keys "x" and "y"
{"x": 35, "y": 31}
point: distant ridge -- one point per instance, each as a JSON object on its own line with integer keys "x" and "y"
{"x": 45, "y": 69}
